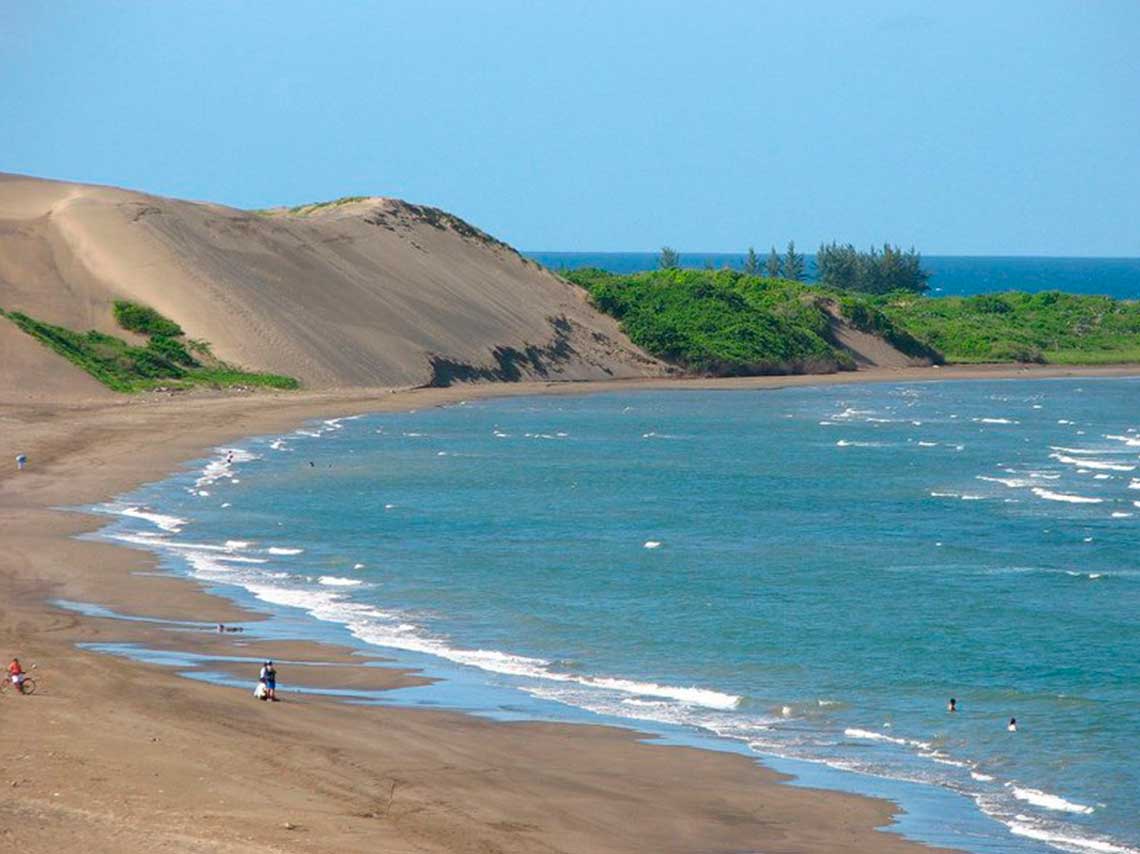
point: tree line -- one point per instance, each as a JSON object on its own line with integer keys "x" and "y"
{"x": 839, "y": 266}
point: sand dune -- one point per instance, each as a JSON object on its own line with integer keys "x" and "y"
{"x": 372, "y": 292}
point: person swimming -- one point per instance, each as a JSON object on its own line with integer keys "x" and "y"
{"x": 952, "y": 706}
{"x": 1012, "y": 725}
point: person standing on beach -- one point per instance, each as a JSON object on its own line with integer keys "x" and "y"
{"x": 21, "y": 461}
{"x": 269, "y": 676}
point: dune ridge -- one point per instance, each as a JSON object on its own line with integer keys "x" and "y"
{"x": 364, "y": 292}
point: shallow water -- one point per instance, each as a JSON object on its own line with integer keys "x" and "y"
{"x": 806, "y": 573}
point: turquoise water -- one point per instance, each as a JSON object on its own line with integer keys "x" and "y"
{"x": 951, "y": 275}
{"x": 808, "y": 573}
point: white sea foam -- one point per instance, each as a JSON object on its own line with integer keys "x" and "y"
{"x": 171, "y": 524}
{"x": 652, "y": 544}
{"x": 336, "y": 581}
{"x": 1099, "y": 465}
{"x": 1011, "y": 482}
{"x": 980, "y": 777}
{"x": 1049, "y": 495}
{"x": 1065, "y": 841}
{"x": 845, "y": 443}
{"x": 1048, "y": 801}
{"x": 381, "y": 628}
{"x": 996, "y": 421}
{"x": 1130, "y": 441}
{"x": 1120, "y": 514}
{"x": 238, "y": 544}
{"x": 282, "y": 550}
{"x": 922, "y": 444}
{"x": 1134, "y": 483}
{"x": 870, "y": 735}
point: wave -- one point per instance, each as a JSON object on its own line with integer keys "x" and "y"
{"x": 336, "y": 581}
{"x": 1130, "y": 441}
{"x": 870, "y": 735}
{"x": 1011, "y": 482}
{"x": 1066, "y": 842}
{"x": 1049, "y": 495}
{"x": 388, "y": 629}
{"x": 1100, "y": 465}
{"x": 1048, "y": 801}
{"x": 281, "y": 550}
{"x": 845, "y": 443}
{"x": 995, "y": 421}
{"x": 170, "y": 524}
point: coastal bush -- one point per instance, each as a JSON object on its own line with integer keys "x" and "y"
{"x": 162, "y": 362}
{"x": 144, "y": 320}
{"x": 1051, "y": 326}
{"x": 720, "y": 322}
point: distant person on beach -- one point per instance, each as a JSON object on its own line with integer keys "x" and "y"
{"x": 21, "y": 461}
{"x": 261, "y": 692}
{"x": 16, "y": 674}
{"x": 269, "y": 676}
{"x": 953, "y": 707}
{"x": 1012, "y": 725}
{"x": 222, "y": 627}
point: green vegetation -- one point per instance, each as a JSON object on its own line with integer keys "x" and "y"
{"x": 871, "y": 272}
{"x": 1051, "y": 326}
{"x": 165, "y": 361}
{"x": 146, "y": 321}
{"x": 669, "y": 259}
{"x": 722, "y": 322}
{"x": 729, "y": 323}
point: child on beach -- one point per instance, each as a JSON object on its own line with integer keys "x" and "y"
{"x": 21, "y": 461}
{"x": 261, "y": 692}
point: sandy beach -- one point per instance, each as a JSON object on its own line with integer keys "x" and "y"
{"x": 112, "y": 755}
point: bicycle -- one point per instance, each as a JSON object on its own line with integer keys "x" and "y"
{"x": 27, "y": 687}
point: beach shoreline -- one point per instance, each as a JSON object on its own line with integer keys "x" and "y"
{"x": 232, "y": 775}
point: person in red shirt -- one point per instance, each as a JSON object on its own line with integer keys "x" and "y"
{"x": 16, "y": 673}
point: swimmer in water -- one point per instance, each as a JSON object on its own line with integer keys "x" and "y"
{"x": 953, "y": 705}
{"x": 1012, "y": 725}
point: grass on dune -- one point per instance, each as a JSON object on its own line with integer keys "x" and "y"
{"x": 164, "y": 362}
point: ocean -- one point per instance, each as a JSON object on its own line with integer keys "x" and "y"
{"x": 804, "y": 575}
{"x": 951, "y": 275}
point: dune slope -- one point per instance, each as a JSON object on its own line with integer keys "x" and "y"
{"x": 367, "y": 292}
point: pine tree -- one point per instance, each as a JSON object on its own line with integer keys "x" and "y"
{"x": 669, "y": 258}
{"x": 793, "y": 263}
{"x": 774, "y": 266}
{"x": 751, "y": 263}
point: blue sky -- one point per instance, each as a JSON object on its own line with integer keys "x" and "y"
{"x": 968, "y": 128}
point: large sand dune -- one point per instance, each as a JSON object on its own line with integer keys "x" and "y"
{"x": 372, "y": 292}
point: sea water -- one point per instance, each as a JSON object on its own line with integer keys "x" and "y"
{"x": 807, "y": 573}
{"x": 950, "y": 275}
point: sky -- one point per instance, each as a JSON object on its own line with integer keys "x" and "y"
{"x": 958, "y": 128}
